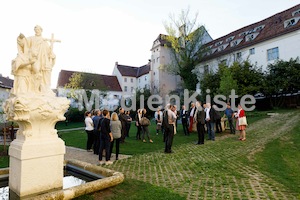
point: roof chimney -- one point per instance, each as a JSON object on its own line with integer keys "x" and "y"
{"x": 116, "y": 63}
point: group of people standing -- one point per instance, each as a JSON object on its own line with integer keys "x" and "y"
{"x": 104, "y": 130}
{"x": 206, "y": 118}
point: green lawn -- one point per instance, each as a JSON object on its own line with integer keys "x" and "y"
{"x": 132, "y": 146}
{"x": 279, "y": 159}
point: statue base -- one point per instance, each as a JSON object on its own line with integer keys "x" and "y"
{"x": 37, "y": 154}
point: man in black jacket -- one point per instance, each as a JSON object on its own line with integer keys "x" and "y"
{"x": 184, "y": 120}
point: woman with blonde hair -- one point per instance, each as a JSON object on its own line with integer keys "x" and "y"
{"x": 115, "y": 127}
{"x": 145, "y": 128}
{"x": 89, "y": 129}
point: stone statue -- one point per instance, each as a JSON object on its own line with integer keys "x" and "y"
{"x": 36, "y": 109}
{"x": 33, "y": 65}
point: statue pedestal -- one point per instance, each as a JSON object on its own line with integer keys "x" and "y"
{"x": 37, "y": 154}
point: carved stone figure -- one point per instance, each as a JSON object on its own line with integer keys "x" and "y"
{"x": 33, "y": 65}
{"x": 37, "y": 153}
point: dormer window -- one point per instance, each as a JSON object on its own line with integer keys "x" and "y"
{"x": 291, "y": 22}
{"x": 258, "y": 28}
{"x": 230, "y": 39}
{"x": 251, "y": 37}
{"x": 243, "y": 34}
{"x": 223, "y": 47}
{"x": 296, "y": 12}
{"x": 235, "y": 42}
{"x": 218, "y": 43}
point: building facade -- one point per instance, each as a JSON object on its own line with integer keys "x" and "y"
{"x": 105, "y": 91}
{"x": 261, "y": 43}
{"x": 132, "y": 78}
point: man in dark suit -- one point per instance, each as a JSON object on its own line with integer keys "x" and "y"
{"x": 184, "y": 120}
{"x": 191, "y": 114}
{"x": 200, "y": 116}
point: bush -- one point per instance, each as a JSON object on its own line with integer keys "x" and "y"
{"x": 74, "y": 115}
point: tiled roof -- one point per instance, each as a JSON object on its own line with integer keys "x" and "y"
{"x": 91, "y": 81}
{"x": 274, "y": 26}
{"x": 133, "y": 71}
{"x": 143, "y": 70}
{"x": 127, "y": 70}
{"x": 6, "y": 82}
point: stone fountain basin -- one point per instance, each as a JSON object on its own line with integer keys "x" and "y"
{"x": 111, "y": 178}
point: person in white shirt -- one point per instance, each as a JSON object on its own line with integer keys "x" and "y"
{"x": 192, "y": 112}
{"x": 89, "y": 129}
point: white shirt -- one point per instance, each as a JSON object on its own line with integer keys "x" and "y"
{"x": 89, "y": 126}
{"x": 192, "y": 112}
{"x": 207, "y": 117}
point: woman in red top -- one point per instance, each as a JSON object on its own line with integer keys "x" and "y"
{"x": 241, "y": 127}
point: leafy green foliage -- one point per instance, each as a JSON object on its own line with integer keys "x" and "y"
{"x": 243, "y": 77}
{"x": 227, "y": 83}
{"x": 282, "y": 78}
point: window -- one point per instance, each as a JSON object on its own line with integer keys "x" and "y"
{"x": 146, "y": 78}
{"x": 125, "y": 79}
{"x": 139, "y": 80}
{"x": 252, "y": 51}
{"x": 273, "y": 54}
{"x": 125, "y": 88}
{"x": 131, "y": 80}
{"x": 132, "y": 89}
{"x": 157, "y": 59}
{"x": 296, "y": 12}
{"x": 291, "y": 22}
{"x": 238, "y": 55}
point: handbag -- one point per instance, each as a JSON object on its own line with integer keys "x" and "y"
{"x": 145, "y": 121}
{"x": 243, "y": 121}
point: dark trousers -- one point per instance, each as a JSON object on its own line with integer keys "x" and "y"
{"x": 96, "y": 145}
{"x": 104, "y": 144}
{"x": 128, "y": 125}
{"x": 230, "y": 122}
{"x": 211, "y": 130}
{"x": 185, "y": 127}
{"x": 123, "y": 133}
{"x": 169, "y": 135}
{"x": 117, "y": 147}
{"x": 90, "y": 139}
{"x": 218, "y": 126}
{"x": 201, "y": 132}
{"x": 138, "y": 132}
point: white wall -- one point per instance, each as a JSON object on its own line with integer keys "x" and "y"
{"x": 287, "y": 45}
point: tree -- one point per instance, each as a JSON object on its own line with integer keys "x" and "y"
{"x": 282, "y": 78}
{"x": 250, "y": 78}
{"x": 185, "y": 41}
{"x": 227, "y": 83}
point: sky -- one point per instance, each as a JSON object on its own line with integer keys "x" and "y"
{"x": 95, "y": 34}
